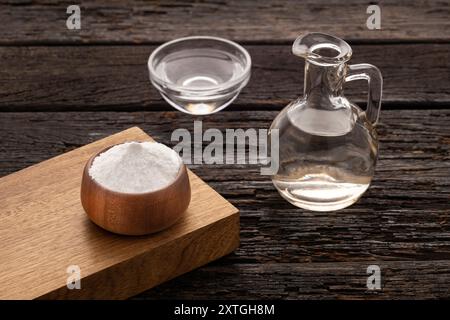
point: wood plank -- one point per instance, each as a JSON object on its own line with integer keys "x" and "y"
{"x": 45, "y": 230}
{"x": 157, "y": 21}
{"x": 343, "y": 280}
{"x": 116, "y": 77}
{"x": 403, "y": 216}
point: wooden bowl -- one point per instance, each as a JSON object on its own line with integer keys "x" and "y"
{"x": 135, "y": 213}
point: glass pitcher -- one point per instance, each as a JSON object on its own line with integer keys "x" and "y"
{"x": 327, "y": 145}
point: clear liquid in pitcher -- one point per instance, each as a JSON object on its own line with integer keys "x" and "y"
{"x": 327, "y": 145}
{"x": 327, "y": 159}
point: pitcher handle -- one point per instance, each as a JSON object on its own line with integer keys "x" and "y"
{"x": 372, "y": 74}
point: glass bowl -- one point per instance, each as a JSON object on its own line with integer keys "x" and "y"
{"x": 199, "y": 75}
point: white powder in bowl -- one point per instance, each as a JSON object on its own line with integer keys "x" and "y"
{"x": 136, "y": 167}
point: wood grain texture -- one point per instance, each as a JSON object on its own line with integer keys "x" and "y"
{"x": 116, "y": 77}
{"x": 45, "y": 230}
{"x": 157, "y": 21}
{"x": 401, "y": 222}
{"x": 343, "y": 280}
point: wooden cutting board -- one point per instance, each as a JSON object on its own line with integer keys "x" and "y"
{"x": 44, "y": 231}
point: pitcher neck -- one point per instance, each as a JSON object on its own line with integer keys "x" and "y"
{"x": 323, "y": 80}
{"x": 326, "y": 59}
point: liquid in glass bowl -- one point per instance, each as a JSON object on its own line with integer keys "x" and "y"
{"x": 199, "y": 75}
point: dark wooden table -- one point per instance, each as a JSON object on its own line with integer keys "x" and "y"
{"x": 61, "y": 89}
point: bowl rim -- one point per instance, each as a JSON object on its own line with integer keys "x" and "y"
{"x": 221, "y": 87}
{"x": 89, "y": 163}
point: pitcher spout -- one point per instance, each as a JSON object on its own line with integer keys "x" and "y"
{"x": 322, "y": 49}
